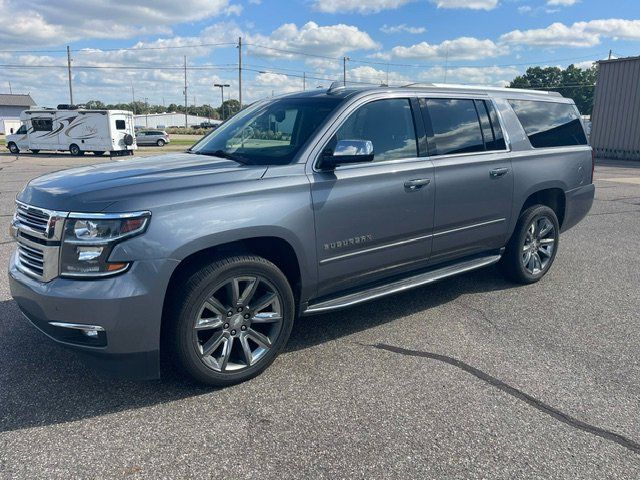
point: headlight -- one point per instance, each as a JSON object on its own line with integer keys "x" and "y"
{"x": 89, "y": 238}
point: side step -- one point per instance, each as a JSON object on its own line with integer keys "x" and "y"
{"x": 401, "y": 285}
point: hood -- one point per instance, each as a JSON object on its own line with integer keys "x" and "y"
{"x": 94, "y": 188}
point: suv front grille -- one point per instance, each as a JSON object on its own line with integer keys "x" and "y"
{"x": 31, "y": 259}
{"x": 34, "y": 219}
{"x": 38, "y": 232}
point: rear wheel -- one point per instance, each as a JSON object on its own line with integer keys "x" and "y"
{"x": 75, "y": 150}
{"x": 231, "y": 319}
{"x": 160, "y": 143}
{"x": 533, "y": 245}
{"x": 13, "y": 148}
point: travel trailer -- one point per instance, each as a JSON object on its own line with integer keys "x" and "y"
{"x": 74, "y": 130}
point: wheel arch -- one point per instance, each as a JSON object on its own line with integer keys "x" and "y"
{"x": 550, "y": 194}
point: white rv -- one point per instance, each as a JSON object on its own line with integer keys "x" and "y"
{"x": 74, "y": 130}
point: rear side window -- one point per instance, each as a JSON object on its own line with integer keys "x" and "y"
{"x": 455, "y": 125}
{"x": 42, "y": 124}
{"x": 549, "y": 124}
{"x": 120, "y": 125}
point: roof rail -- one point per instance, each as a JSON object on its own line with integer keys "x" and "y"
{"x": 453, "y": 86}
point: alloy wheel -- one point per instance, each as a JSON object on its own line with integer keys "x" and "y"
{"x": 238, "y": 323}
{"x": 539, "y": 244}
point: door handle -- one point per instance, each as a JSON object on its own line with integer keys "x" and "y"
{"x": 416, "y": 183}
{"x": 498, "y": 172}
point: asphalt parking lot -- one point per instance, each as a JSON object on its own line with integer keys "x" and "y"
{"x": 470, "y": 378}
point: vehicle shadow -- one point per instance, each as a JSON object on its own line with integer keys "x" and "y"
{"x": 42, "y": 383}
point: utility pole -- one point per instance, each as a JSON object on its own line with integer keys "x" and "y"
{"x": 133, "y": 98}
{"x": 446, "y": 64}
{"x": 186, "y": 123}
{"x": 344, "y": 70}
{"x": 221, "y": 85}
{"x": 10, "y": 91}
{"x": 610, "y": 53}
{"x": 69, "y": 71}
{"x": 304, "y": 81}
{"x": 146, "y": 107}
{"x": 240, "y": 71}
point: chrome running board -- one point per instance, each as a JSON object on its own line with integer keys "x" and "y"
{"x": 400, "y": 285}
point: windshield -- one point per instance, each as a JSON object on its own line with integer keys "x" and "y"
{"x": 268, "y": 133}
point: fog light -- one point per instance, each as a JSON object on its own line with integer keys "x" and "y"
{"x": 90, "y": 333}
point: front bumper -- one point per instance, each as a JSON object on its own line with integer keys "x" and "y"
{"x": 127, "y": 307}
{"x": 578, "y": 202}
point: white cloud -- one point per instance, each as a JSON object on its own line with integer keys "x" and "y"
{"x": 330, "y": 40}
{"x": 525, "y": 9}
{"x": 402, "y": 28}
{"x": 562, "y": 3}
{"x": 580, "y": 34}
{"x": 361, "y": 6}
{"x": 54, "y": 23}
{"x": 233, "y": 10}
{"x": 470, "y": 4}
{"x": 463, "y": 48}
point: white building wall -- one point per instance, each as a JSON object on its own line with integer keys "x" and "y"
{"x": 166, "y": 120}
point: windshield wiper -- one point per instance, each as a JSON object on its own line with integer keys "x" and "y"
{"x": 221, "y": 154}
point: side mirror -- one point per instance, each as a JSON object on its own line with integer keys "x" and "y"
{"x": 347, "y": 151}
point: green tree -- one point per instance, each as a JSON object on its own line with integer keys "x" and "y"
{"x": 572, "y": 82}
{"x": 228, "y": 108}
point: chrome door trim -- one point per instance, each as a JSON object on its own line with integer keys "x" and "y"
{"x": 467, "y": 227}
{"x": 374, "y": 249}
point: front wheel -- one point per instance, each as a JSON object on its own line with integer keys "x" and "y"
{"x": 13, "y": 148}
{"x": 231, "y": 319}
{"x": 533, "y": 245}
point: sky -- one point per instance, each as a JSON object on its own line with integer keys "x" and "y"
{"x": 123, "y": 49}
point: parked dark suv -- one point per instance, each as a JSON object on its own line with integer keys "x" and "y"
{"x": 300, "y": 204}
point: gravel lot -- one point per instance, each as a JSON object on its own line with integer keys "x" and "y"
{"x": 470, "y": 378}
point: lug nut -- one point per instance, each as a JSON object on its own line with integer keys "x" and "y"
{"x": 246, "y": 315}
{"x": 233, "y": 332}
{"x": 226, "y": 325}
{"x": 239, "y": 309}
{"x": 243, "y": 328}
{"x": 229, "y": 313}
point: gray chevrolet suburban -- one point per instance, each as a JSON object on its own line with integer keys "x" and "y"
{"x": 299, "y": 204}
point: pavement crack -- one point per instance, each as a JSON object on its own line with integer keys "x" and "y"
{"x": 483, "y": 315}
{"x": 520, "y": 395}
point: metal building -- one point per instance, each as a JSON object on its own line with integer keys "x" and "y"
{"x": 166, "y": 120}
{"x": 615, "y": 129}
{"x": 11, "y": 106}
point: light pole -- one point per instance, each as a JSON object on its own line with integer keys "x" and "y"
{"x": 221, "y": 85}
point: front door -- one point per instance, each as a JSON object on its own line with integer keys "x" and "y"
{"x": 374, "y": 220}
{"x": 473, "y": 176}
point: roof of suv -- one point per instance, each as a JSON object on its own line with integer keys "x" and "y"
{"x": 345, "y": 92}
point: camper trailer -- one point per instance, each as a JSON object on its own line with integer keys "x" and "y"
{"x": 74, "y": 130}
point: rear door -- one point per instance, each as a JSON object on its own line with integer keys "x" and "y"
{"x": 371, "y": 221}
{"x": 473, "y": 175}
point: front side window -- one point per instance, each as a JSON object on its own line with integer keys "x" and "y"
{"x": 22, "y": 130}
{"x": 455, "y": 125}
{"x": 268, "y": 133}
{"x": 42, "y": 124}
{"x": 387, "y": 123}
{"x": 550, "y": 124}
{"x": 120, "y": 125}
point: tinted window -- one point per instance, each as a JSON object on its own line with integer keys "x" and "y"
{"x": 498, "y": 136}
{"x": 549, "y": 124}
{"x": 455, "y": 126}
{"x": 22, "y": 129}
{"x": 388, "y": 124}
{"x": 42, "y": 124}
{"x": 120, "y": 125}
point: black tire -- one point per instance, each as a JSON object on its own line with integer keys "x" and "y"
{"x": 75, "y": 150}
{"x": 184, "y": 312}
{"x": 13, "y": 148}
{"x": 513, "y": 261}
{"x": 160, "y": 143}
{"x": 35, "y": 151}
{"x": 97, "y": 154}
